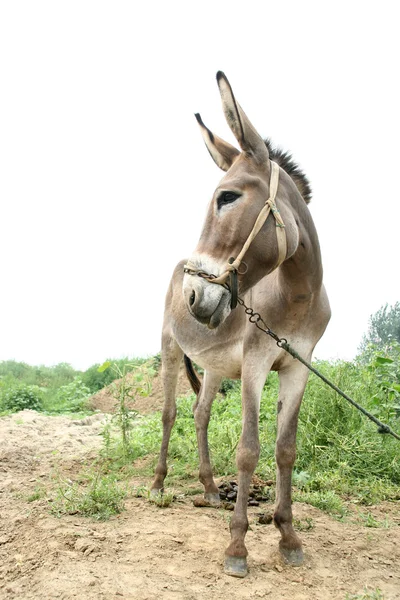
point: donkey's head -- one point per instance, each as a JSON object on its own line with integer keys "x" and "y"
{"x": 233, "y": 211}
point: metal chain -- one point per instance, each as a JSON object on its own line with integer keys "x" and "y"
{"x": 259, "y": 322}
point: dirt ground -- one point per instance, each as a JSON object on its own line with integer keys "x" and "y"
{"x": 174, "y": 553}
{"x": 104, "y": 400}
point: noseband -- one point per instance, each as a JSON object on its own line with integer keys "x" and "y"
{"x": 232, "y": 267}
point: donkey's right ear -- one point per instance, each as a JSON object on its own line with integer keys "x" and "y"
{"x": 222, "y": 153}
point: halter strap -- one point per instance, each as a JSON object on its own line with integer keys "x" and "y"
{"x": 269, "y": 206}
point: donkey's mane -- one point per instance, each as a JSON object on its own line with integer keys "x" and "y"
{"x": 285, "y": 160}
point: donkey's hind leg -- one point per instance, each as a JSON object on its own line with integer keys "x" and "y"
{"x": 202, "y": 409}
{"x": 293, "y": 381}
{"x": 171, "y": 355}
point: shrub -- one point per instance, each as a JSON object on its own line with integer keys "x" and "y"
{"x": 71, "y": 397}
{"x": 20, "y": 397}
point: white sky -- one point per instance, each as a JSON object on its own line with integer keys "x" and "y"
{"x": 105, "y": 178}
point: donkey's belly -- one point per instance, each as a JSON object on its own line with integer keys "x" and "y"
{"x": 227, "y": 361}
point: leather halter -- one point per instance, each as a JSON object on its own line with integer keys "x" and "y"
{"x": 232, "y": 267}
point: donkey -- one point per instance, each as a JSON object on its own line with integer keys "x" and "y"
{"x": 280, "y": 277}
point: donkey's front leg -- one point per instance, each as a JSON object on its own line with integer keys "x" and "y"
{"x": 293, "y": 381}
{"x": 202, "y": 409}
{"x": 246, "y": 459}
{"x": 171, "y": 355}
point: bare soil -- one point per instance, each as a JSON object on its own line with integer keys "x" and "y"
{"x": 105, "y": 401}
{"x": 148, "y": 553}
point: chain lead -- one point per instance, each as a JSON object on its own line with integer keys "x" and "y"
{"x": 258, "y": 321}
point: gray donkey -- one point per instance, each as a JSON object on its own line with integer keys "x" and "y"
{"x": 258, "y": 214}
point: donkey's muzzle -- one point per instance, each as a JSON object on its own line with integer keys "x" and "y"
{"x": 207, "y": 303}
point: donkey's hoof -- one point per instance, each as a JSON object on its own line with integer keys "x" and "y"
{"x": 235, "y": 566}
{"x": 156, "y": 492}
{"x": 213, "y": 499}
{"x": 294, "y": 557}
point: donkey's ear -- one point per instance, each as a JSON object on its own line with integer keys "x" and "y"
{"x": 249, "y": 140}
{"x": 223, "y": 153}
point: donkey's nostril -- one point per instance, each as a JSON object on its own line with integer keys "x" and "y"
{"x": 192, "y": 298}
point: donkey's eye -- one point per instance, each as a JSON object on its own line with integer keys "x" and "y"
{"x": 227, "y": 198}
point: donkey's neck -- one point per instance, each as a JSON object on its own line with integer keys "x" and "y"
{"x": 301, "y": 275}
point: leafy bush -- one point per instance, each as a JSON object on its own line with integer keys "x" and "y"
{"x": 42, "y": 376}
{"x": 20, "y": 397}
{"x": 70, "y": 398}
{"x": 95, "y": 379}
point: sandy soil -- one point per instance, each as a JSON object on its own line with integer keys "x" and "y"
{"x": 174, "y": 553}
{"x": 105, "y": 401}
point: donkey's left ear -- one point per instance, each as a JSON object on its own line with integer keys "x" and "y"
{"x": 223, "y": 153}
{"x": 249, "y": 140}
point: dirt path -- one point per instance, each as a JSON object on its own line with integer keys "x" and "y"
{"x": 174, "y": 553}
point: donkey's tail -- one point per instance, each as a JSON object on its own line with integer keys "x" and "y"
{"x": 191, "y": 375}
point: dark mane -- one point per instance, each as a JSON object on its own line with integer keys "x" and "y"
{"x": 285, "y": 160}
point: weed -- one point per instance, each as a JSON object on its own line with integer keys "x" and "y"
{"x": 141, "y": 492}
{"x": 303, "y": 524}
{"x": 327, "y": 501}
{"x": 368, "y": 520}
{"x": 100, "y": 499}
{"x": 138, "y": 384}
{"x": 162, "y": 499}
{"x": 38, "y": 493}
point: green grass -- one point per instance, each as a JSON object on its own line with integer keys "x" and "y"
{"x": 340, "y": 456}
{"x": 100, "y": 497}
{"x": 38, "y": 493}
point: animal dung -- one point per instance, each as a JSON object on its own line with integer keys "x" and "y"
{"x": 258, "y": 493}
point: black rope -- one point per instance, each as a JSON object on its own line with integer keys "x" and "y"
{"x": 382, "y": 427}
{"x": 283, "y": 343}
{"x": 259, "y": 322}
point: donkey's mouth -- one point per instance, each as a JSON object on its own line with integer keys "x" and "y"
{"x": 220, "y": 314}
{"x": 203, "y": 311}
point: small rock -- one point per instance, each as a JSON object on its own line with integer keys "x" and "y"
{"x": 253, "y": 503}
{"x": 228, "y": 506}
{"x": 278, "y": 568}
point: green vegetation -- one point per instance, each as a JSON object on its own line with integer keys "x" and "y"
{"x": 384, "y": 328}
{"x": 99, "y": 497}
{"x": 20, "y": 396}
{"x": 95, "y": 378}
{"x": 55, "y": 390}
{"x": 340, "y": 455}
{"x": 138, "y": 384}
